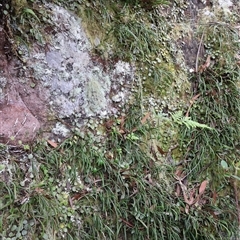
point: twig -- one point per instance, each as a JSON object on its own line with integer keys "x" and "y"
{"x": 127, "y": 223}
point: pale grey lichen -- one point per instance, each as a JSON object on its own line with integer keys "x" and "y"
{"x": 225, "y": 5}
{"x": 61, "y": 129}
{"x": 3, "y": 82}
{"x": 118, "y": 97}
{"x": 75, "y": 84}
{"x": 95, "y": 97}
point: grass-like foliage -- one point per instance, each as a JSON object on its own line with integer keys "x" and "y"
{"x": 117, "y": 191}
{"x": 218, "y": 106}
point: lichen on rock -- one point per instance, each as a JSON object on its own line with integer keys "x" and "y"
{"x": 77, "y": 86}
{"x": 95, "y": 100}
{"x": 3, "y": 82}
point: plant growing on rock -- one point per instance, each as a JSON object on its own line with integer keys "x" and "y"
{"x": 121, "y": 187}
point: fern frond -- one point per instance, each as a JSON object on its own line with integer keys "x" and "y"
{"x": 180, "y": 119}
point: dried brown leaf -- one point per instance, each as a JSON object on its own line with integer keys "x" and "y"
{"x": 39, "y": 190}
{"x": 70, "y": 201}
{"x": 145, "y": 118}
{"x": 203, "y": 67}
{"x": 127, "y": 223}
{"x": 179, "y": 172}
{"x": 187, "y": 209}
{"x": 178, "y": 190}
{"x": 121, "y": 131}
{"x": 160, "y": 150}
{"x": 203, "y": 187}
{"x": 53, "y": 144}
{"x": 109, "y": 124}
{"x": 122, "y": 122}
{"x": 214, "y": 197}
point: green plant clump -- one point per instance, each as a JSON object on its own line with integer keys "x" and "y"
{"x": 218, "y": 104}
{"x": 214, "y": 155}
{"x": 81, "y": 191}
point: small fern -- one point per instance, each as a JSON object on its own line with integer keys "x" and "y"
{"x": 180, "y": 119}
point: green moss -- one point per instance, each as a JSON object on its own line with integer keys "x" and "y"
{"x": 18, "y": 6}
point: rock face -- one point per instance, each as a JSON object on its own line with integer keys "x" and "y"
{"x": 17, "y": 124}
{"x": 77, "y": 84}
{"x": 62, "y": 79}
